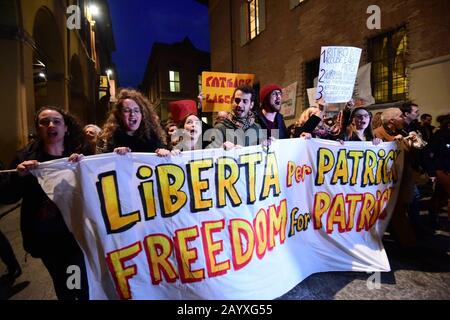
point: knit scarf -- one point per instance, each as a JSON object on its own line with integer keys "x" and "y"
{"x": 242, "y": 123}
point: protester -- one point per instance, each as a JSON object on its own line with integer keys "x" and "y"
{"x": 410, "y": 113}
{"x": 419, "y": 160}
{"x": 91, "y": 132}
{"x": 221, "y": 115}
{"x": 391, "y": 125}
{"x": 440, "y": 147}
{"x": 170, "y": 128}
{"x": 44, "y": 233}
{"x": 311, "y": 123}
{"x": 425, "y": 127}
{"x": 290, "y": 130}
{"x": 189, "y": 134}
{"x": 268, "y": 116}
{"x": 240, "y": 128}
{"x": 376, "y": 120}
{"x": 308, "y": 122}
{"x": 360, "y": 128}
{"x": 132, "y": 126}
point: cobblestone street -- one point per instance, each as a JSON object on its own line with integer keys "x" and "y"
{"x": 422, "y": 273}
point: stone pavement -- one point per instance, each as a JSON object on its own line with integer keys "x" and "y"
{"x": 422, "y": 273}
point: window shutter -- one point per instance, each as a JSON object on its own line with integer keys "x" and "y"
{"x": 293, "y": 4}
{"x": 262, "y": 15}
{"x": 243, "y": 21}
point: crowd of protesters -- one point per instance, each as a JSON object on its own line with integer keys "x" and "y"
{"x": 133, "y": 126}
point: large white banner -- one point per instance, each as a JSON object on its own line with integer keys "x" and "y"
{"x": 249, "y": 223}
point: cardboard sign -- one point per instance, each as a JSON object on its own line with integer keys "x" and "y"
{"x": 337, "y": 73}
{"x": 288, "y": 100}
{"x": 218, "y": 88}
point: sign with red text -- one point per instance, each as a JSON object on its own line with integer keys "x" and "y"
{"x": 218, "y": 89}
{"x": 250, "y": 223}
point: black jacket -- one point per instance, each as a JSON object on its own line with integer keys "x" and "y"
{"x": 279, "y": 124}
{"x": 136, "y": 144}
{"x": 42, "y": 225}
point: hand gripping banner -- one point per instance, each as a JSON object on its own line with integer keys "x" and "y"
{"x": 249, "y": 223}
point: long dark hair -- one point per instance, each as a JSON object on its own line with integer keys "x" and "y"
{"x": 368, "y": 132}
{"x": 74, "y": 140}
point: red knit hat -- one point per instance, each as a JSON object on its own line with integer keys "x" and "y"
{"x": 266, "y": 90}
{"x": 182, "y": 108}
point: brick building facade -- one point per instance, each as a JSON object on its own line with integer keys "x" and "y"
{"x": 280, "y": 40}
{"x": 54, "y": 52}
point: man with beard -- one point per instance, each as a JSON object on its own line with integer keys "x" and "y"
{"x": 240, "y": 128}
{"x": 269, "y": 116}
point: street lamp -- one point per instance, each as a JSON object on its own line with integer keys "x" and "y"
{"x": 95, "y": 11}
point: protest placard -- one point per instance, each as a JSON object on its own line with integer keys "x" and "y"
{"x": 288, "y": 101}
{"x": 337, "y": 73}
{"x": 218, "y": 88}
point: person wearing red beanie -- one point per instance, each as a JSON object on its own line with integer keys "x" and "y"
{"x": 269, "y": 116}
{"x": 181, "y": 109}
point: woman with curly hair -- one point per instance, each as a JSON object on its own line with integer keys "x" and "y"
{"x": 44, "y": 233}
{"x": 132, "y": 126}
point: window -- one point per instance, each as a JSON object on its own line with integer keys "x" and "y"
{"x": 387, "y": 53}
{"x": 252, "y": 19}
{"x": 199, "y": 83}
{"x": 174, "y": 81}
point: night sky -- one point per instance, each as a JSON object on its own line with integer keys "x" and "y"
{"x": 137, "y": 24}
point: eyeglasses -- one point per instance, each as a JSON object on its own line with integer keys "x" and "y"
{"x": 128, "y": 110}
{"x": 45, "y": 122}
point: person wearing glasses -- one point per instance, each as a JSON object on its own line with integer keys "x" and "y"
{"x": 132, "y": 126}
{"x": 360, "y": 127}
{"x": 44, "y": 232}
{"x": 268, "y": 115}
{"x": 240, "y": 128}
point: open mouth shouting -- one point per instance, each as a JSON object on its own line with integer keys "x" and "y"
{"x": 52, "y": 133}
{"x": 239, "y": 111}
{"x": 131, "y": 116}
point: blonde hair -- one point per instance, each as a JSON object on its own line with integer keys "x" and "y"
{"x": 306, "y": 114}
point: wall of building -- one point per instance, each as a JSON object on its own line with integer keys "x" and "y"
{"x": 430, "y": 85}
{"x": 38, "y": 28}
{"x": 293, "y": 37}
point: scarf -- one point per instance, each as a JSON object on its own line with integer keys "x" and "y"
{"x": 242, "y": 123}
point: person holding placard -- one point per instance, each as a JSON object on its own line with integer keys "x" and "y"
{"x": 44, "y": 232}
